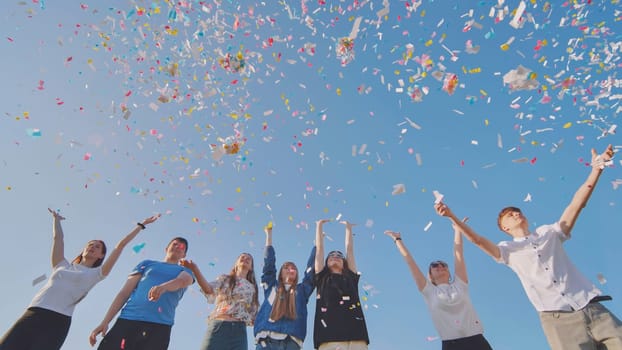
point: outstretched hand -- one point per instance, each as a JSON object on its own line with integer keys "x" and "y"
{"x": 442, "y": 209}
{"x": 56, "y": 215}
{"x": 603, "y": 159}
{"x": 151, "y": 219}
{"x": 189, "y": 264}
{"x": 347, "y": 223}
{"x": 322, "y": 221}
{"x": 393, "y": 234}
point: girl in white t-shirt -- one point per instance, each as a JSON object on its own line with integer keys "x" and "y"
{"x": 448, "y": 300}
{"x": 46, "y": 322}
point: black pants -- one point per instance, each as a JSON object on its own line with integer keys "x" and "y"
{"x": 136, "y": 335}
{"x": 37, "y": 329}
{"x": 474, "y": 342}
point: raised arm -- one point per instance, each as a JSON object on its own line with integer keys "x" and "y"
{"x": 350, "y": 246}
{"x": 182, "y": 280}
{"x": 116, "y": 252}
{"x": 268, "y": 274}
{"x": 483, "y": 243}
{"x": 459, "y": 264}
{"x": 579, "y": 201}
{"x": 58, "y": 241}
{"x": 205, "y": 286}
{"x": 117, "y": 304}
{"x": 319, "y": 243}
{"x": 418, "y": 276}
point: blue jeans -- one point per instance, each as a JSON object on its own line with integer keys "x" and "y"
{"x": 273, "y": 344}
{"x": 225, "y": 335}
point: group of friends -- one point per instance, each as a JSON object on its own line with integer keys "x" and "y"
{"x": 568, "y": 304}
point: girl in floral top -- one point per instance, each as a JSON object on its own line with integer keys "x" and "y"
{"x": 236, "y": 303}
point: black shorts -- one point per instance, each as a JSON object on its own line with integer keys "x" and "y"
{"x": 38, "y": 328}
{"x": 474, "y": 342}
{"x": 136, "y": 335}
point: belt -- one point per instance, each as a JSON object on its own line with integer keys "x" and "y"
{"x": 598, "y": 299}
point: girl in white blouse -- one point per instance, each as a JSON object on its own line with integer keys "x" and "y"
{"x": 448, "y": 300}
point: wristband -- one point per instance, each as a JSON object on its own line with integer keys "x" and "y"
{"x": 397, "y": 239}
{"x": 142, "y": 226}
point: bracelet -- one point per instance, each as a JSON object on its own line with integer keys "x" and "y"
{"x": 142, "y": 226}
{"x": 398, "y": 239}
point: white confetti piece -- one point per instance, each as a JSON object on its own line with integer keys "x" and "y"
{"x": 516, "y": 21}
{"x": 427, "y": 227}
{"x": 438, "y": 197}
{"x": 38, "y": 280}
{"x": 601, "y": 278}
{"x": 527, "y": 198}
{"x": 398, "y": 189}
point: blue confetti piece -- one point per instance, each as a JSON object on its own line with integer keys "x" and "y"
{"x": 137, "y": 248}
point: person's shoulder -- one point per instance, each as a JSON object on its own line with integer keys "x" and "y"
{"x": 548, "y": 228}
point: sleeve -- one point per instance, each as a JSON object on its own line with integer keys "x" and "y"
{"x": 555, "y": 229}
{"x": 189, "y": 272}
{"x": 216, "y": 286}
{"x": 504, "y": 253}
{"x": 62, "y": 263}
{"x": 308, "y": 282}
{"x": 268, "y": 276}
{"x": 140, "y": 268}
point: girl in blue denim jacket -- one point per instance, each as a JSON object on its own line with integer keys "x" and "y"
{"x": 281, "y": 322}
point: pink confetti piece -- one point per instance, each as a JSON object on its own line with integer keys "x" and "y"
{"x": 87, "y": 156}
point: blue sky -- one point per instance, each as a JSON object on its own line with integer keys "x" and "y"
{"x": 111, "y": 113}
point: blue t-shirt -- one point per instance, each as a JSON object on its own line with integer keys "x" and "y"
{"x": 139, "y": 307}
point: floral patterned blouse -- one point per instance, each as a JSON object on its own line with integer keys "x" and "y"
{"x": 238, "y": 305}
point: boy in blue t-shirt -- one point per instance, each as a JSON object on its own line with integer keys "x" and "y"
{"x": 147, "y": 302}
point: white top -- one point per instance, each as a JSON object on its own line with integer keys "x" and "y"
{"x": 66, "y": 287}
{"x": 451, "y": 310}
{"x": 551, "y": 281}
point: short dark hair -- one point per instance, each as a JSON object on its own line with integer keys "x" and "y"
{"x": 502, "y": 214}
{"x": 180, "y": 239}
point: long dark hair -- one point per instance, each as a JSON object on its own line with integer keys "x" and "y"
{"x": 250, "y": 276}
{"x": 97, "y": 262}
{"x": 285, "y": 301}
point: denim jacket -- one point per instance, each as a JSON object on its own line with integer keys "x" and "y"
{"x": 269, "y": 281}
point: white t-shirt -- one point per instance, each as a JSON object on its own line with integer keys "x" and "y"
{"x": 66, "y": 287}
{"x": 451, "y": 310}
{"x": 550, "y": 279}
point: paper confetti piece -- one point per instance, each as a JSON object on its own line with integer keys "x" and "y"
{"x": 438, "y": 197}
{"x": 527, "y": 198}
{"x": 398, "y": 189}
{"x": 427, "y": 227}
{"x": 38, "y": 280}
{"x": 601, "y": 278}
{"x": 137, "y": 248}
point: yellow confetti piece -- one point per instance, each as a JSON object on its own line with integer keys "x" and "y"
{"x": 8, "y": 188}
{"x": 370, "y": 168}
{"x": 484, "y": 93}
{"x": 504, "y": 47}
{"x": 486, "y": 122}
{"x": 269, "y": 225}
{"x": 338, "y": 91}
{"x": 238, "y": 190}
{"x": 195, "y": 220}
{"x": 567, "y": 125}
{"x": 429, "y": 43}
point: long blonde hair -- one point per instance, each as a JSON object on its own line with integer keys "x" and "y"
{"x": 285, "y": 301}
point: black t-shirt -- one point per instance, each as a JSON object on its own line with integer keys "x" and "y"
{"x": 338, "y": 310}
